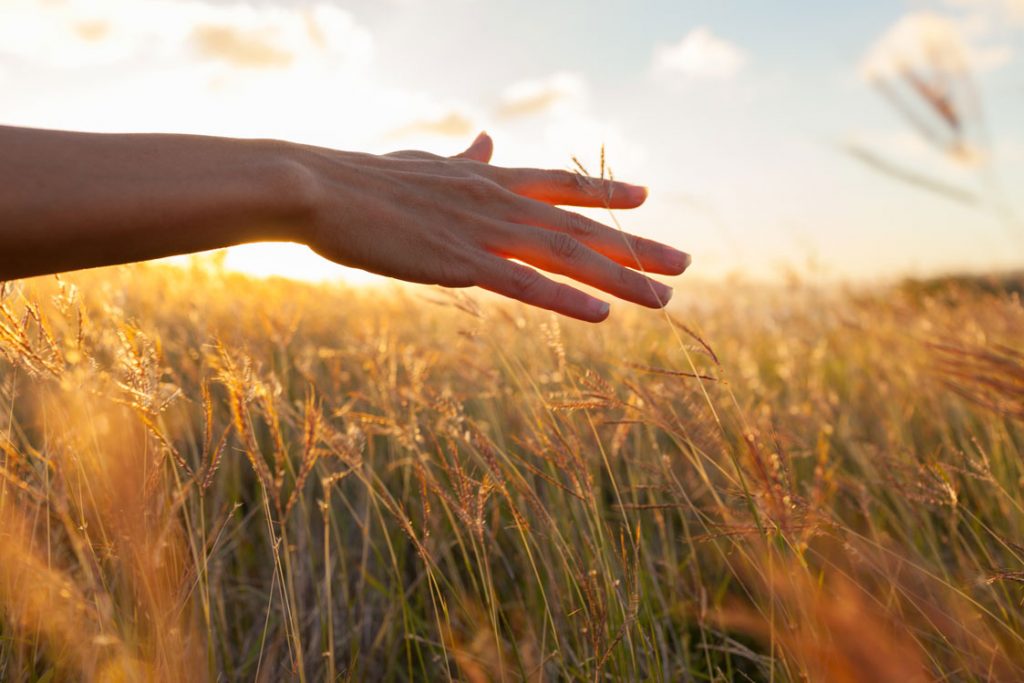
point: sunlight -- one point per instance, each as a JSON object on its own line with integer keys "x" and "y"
{"x": 276, "y": 259}
{"x": 294, "y": 261}
{"x": 253, "y": 463}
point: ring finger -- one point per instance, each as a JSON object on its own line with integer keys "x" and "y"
{"x": 558, "y": 252}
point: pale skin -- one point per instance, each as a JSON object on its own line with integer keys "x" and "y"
{"x": 79, "y": 200}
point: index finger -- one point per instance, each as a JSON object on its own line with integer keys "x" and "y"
{"x": 566, "y": 187}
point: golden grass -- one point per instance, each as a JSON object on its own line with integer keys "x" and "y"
{"x": 206, "y": 477}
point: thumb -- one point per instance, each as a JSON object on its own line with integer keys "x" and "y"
{"x": 480, "y": 150}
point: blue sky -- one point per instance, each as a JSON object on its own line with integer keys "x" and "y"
{"x": 736, "y": 113}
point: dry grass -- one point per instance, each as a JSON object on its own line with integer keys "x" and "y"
{"x": 207, "y": 477}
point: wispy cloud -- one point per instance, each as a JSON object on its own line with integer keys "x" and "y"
{"x": 253, "y": 49}
{"x": 1012, "y": 10}
{"x": 531, "y": 97}
{"x": 89, "y": 32}
{"x": 449, "y": 124}
{"x": 700, "y": 55}
{"x": 924, "y": 41}
{"x": 298, "y": 71}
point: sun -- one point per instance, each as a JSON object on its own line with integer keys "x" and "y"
{"x": 288, "y": 260}
{"x": 293, "y": 261}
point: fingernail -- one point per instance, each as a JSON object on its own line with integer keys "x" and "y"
{"x": 599, "y": 308}
{"x": 664, "y": 292}
{"x": 677, "y": 260}
{"x": 637, "y": 193}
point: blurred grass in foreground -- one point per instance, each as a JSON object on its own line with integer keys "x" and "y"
{"x": 206, "y": 476}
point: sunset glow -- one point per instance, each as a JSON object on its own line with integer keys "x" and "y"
{"x": 292, "y": 261}
{"x": 692, "y": 350}
{"x": 751, "y": 125}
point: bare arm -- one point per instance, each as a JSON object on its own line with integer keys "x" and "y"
{"x": 78, "y": 200}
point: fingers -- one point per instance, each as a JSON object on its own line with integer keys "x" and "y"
{"x": 525, "y": 284}
{"x": 518, "y": 209}
{"x": 480, "y": 150}
{"x": 565, "y": 187}
{"x": 558, "y": 252}
{"x": 621, "y": 247}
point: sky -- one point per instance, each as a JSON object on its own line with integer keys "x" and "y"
{"x": 762, "y": 129}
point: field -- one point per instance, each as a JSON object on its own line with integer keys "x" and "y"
{"x": 207, "y": 477}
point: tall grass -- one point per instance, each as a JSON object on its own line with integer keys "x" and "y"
{"x": 209, "y": 477}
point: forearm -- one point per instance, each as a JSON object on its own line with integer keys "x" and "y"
{"x": 78, "y": 200}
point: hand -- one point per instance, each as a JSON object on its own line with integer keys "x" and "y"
{"x": 458, "y": 221}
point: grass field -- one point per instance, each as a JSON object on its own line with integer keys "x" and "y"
{"x": 211, "y": 477}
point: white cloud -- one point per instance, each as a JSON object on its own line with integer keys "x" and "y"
{"x": 301, "y": 73}
{"x": 290, "y": 72}
{"x": 925, "y": 41}
{"x": 532, "y": 97}
{"x": 446, "y": 123}
{"x": 1009, "y": 9}
{"x": 990, "y": 57}
{"x": 82, "y": 33}
{"x": 295, "y": 72}
{"x": 700, "y": 55}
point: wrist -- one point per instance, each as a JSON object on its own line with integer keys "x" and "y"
{"x": 290, "y": 188}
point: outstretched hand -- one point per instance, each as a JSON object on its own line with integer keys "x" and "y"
{"x": 459, "y": 221}
{"x": 71, "y": 200}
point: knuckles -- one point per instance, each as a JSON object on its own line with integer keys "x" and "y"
{"x": 525, "y": 282}
{"x": 644, "y": 249}
{"x": 579, "y": 226}
{"x": 454, "y": 274}
{"x": 565, "y": 180}
{"x": 565, "y": 247}
{"x": 479, "y": 189}
{"x": 638, "y": 286}
{"x": 630, "y": 280}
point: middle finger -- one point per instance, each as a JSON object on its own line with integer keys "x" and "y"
{"x": 622, "y": 247}
{"x": 558, "y": 252}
